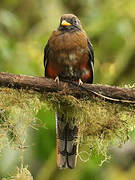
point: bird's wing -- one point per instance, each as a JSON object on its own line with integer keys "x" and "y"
{"x": 46, "y": 51}
{"x": 91, "y": 57}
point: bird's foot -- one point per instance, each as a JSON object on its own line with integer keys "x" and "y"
{"x": 57, "y": 80}
{"x": 80, "y": 82}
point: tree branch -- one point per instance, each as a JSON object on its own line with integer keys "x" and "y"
{"x": 45, "y": 85}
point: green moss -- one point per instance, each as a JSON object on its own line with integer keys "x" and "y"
{"x": 21, "y": 174}
{"x": 18, "y": 111}
{"x": 101, "y": 123}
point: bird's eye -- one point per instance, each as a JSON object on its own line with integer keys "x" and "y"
{"x": 75, "y": 21}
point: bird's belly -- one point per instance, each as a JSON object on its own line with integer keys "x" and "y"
{"x": 70, "y": 73}
{"x": 71, "y": 59}
{"x": 68, "y": 65}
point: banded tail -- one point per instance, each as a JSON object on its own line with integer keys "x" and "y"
{"x": 67, "y": 143}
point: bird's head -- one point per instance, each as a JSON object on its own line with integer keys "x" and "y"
{"x": 69, "y": 22}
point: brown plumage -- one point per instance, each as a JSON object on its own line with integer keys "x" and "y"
{"x": 69, "y": 56}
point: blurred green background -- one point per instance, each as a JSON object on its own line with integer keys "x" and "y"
{"x": 25, "y": 27}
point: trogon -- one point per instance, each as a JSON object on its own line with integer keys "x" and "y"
{"x": 68, "y": 55}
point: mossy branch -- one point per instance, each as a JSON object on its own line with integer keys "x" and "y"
{"x": 101, "y": 123}
{"x": 44, "y": 85}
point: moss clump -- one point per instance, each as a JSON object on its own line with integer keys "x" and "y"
{"x": 101, "y": 123}
{"x": 18, "y": 111}
{"x": 21, "y": 174}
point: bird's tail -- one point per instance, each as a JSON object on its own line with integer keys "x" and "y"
{"x": 67, "y": 143}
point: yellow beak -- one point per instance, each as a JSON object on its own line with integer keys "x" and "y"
{"x": 65, "y": 23}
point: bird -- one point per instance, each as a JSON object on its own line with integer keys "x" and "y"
{"x": 68, "y": 55}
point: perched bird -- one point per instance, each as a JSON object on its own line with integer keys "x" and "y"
{"x": 68, "y": 55}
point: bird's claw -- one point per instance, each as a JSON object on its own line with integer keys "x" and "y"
{"x": 57, "y": 80}
{"x": 80, "y": 82}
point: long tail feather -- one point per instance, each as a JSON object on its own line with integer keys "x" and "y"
{"x": 67, "y": 144}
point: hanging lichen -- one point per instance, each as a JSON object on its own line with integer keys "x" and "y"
{"x": 101, "y": 123}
